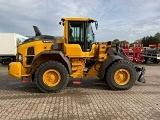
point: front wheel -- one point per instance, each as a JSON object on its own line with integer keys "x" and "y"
{"x": 145, "y": 60}
{"x": 51, "y": 76}
{"x": 121, "y": 75}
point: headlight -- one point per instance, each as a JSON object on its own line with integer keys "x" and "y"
{"x": 20, "y": 57}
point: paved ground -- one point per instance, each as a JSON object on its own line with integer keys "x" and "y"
{"x": 90, "y": 100}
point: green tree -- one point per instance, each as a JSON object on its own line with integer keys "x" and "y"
{"x": 157, "y": 35}
{"x": 150, "y": 40}
{"x": 114, "y": 42}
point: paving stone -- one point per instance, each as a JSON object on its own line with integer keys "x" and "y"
{"x": 90, "y": 100}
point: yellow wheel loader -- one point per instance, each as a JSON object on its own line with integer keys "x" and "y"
{"x": 50, "y": 62}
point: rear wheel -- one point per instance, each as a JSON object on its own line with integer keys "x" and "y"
{"x": 51, "y": 76}
{"x": 121, "y": 75}
{"x": 155, "y": 61}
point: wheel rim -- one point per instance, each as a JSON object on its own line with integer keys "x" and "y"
{"x": 51, "y": 77}
{"x": 122, "y": 76}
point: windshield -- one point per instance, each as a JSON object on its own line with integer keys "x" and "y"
{"x": 90, "y": 33}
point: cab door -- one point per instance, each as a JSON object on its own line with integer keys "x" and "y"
{"x": 78, "y": 39}
{"x": 77, "y": 34}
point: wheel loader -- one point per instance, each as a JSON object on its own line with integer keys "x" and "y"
{"x": 51, "y": 61}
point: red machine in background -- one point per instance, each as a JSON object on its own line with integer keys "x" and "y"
{"x": 134, "y": 53}
{"x": 152, "y": 46}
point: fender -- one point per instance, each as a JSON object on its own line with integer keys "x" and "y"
{"x": 56, "y": 55}
{"x": 113, "y": 56}
{"x": 107, "y": 63}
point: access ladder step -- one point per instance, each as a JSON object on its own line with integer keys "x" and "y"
{"x": 76, "y": 82}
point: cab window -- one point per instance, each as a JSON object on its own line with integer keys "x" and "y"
{"x": 77, "y": 33}
{"x": 81, "y": 33}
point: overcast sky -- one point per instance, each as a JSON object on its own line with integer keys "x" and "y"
{"x": 122, "y": 19}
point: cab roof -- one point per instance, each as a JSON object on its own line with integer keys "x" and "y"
{"x": 77, "y": 19}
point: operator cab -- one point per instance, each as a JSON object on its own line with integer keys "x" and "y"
{"x": 80, "y": 32}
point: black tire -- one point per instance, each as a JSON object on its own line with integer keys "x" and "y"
{"x": 155, "y": 61}
{"x": 5, "y": 63}
{"x": 145, "y": 60}
{"x": 125, "y": 65}
{"x": 51, "y": 65}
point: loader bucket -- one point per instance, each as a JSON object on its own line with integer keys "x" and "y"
{"x": 141, "y": 74}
